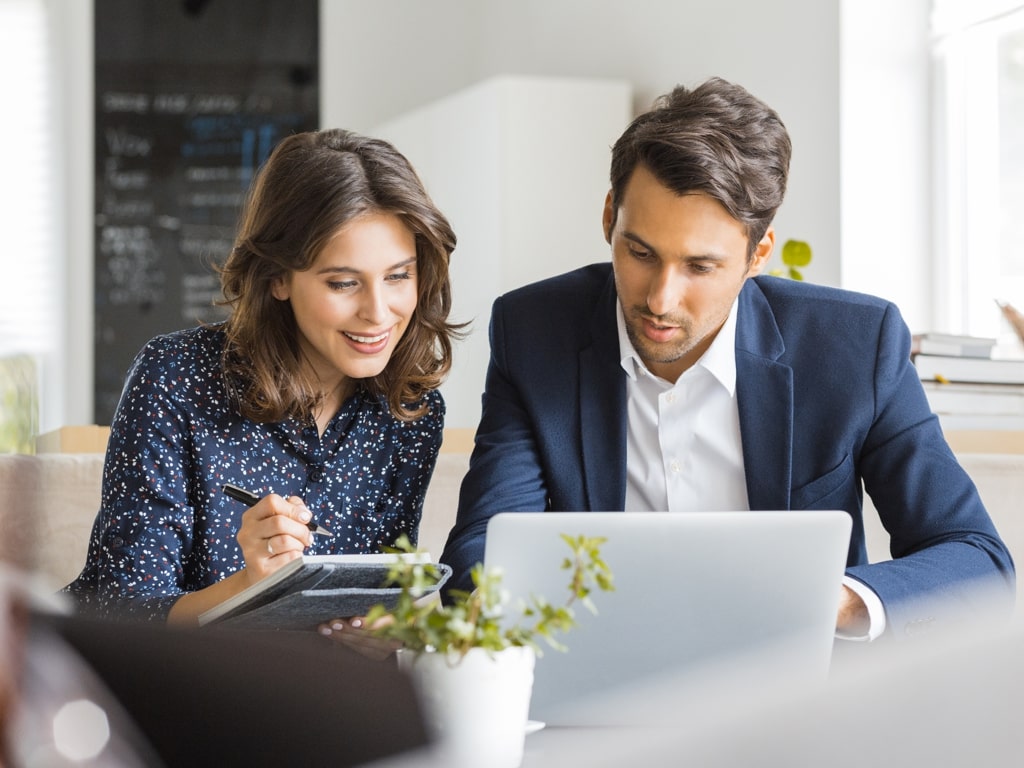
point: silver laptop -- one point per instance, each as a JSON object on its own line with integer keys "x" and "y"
{"x": 693, "y": 591}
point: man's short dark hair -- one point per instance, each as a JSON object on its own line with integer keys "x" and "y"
{"x": 717, "y": 139}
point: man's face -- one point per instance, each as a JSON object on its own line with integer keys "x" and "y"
{"x": 679, "y": 262}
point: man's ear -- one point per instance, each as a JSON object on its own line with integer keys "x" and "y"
{"x": 608, "y": 218}
{"x": 762, "y": 253}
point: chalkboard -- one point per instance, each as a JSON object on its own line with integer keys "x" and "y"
{"x": 191, "y": 96}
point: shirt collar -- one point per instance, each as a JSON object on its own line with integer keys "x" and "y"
{"x": 719, "y": 359}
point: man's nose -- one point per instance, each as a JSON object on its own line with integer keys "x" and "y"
{"x": 664, "y": 292}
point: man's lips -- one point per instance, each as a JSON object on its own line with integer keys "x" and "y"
{"x": 658, "y": 332}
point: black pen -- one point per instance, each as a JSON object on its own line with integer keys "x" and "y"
{"x": 251, "y": 499}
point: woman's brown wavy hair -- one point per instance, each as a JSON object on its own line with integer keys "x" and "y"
{"x": 311, "y": 186}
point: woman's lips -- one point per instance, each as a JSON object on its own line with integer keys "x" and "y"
{"x": 367, "y": 343}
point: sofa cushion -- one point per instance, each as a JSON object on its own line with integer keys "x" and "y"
{"x": 47, "y": 507}
{"x": 48, "y": 504}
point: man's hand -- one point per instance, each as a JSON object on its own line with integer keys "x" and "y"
{"x": 853, "y": 616}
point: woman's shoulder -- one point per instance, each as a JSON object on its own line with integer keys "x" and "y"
{"x": 434, "y": 407}
{"x": 179, "y": 371}
{"x": 188, "y": 356}
{"x": 421, "y": 437}
{"x": 186, "y": 346}
{"x": 430, "y": 420}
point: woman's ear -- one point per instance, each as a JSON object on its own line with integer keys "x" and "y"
{"x": 279, "y": 289}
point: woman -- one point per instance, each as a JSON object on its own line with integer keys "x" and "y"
{"x": 318, "y": 394}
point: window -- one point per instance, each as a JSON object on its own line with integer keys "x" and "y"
{"x": 978, "y": 59}
{"x": 29, "y": 312}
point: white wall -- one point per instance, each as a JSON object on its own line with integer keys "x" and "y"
{"x": 519, "y": 165}
{"x": 73, "y": 67}
{"x": 381, "y": 59}
{"x": 885, "y": 199}
{"x": 784, "y": 51}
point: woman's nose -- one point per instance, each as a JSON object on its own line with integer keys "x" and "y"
{"x": 373, "y": 308}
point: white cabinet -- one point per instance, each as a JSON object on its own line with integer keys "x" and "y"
{"x": 519, "y": 165}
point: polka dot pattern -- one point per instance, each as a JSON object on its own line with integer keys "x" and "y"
{"x": 165, "y": 528}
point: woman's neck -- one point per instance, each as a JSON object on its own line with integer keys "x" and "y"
{"x": 331, "y": 403}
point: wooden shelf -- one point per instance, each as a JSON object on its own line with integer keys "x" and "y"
{"x": 986, "y": 441}
{"x": 79, "y": 439}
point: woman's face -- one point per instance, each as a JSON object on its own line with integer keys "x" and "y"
{"x": 355, "y": 301}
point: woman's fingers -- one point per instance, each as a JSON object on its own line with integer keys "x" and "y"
{"x": 273, "y": 532}
{"x": 353, "y": 634}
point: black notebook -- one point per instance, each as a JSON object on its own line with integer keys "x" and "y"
{"x": 316, "y": 588}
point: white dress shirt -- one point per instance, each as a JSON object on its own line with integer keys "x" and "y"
{"x": 684, "y": 452}
{"x": 683, "y": 448}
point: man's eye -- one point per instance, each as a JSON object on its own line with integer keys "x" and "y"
{"x": 638, "y": 254}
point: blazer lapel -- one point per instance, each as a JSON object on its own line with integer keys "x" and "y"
{"x": 764, "y": 391}
{"x": 602, "y": 399}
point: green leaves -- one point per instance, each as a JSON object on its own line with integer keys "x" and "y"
{"x": 796, "y": 254}
{"x": 475, "y": 619}
{"x": 19, "y": 404}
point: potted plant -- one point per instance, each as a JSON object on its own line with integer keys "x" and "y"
{"x": 796, "y": 254}
{"x": 472, "y": 661}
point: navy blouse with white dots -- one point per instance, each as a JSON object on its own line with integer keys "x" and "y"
{"x": 164, "y": 526}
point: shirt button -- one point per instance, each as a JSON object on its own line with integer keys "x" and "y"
{"x": 316, "y": 475}
{"x": 675, "y": 467}
{"x": 671, "y": 397}
{"x": 116, "y": 543}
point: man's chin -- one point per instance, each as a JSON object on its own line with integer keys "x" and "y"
{"x": 660, "y": 354}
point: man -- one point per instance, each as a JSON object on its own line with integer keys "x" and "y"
{"x": 678, "y": 378}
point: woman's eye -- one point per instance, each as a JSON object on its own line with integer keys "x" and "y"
{"x": 340, "y": 285}
{"x": 397, "y": 276}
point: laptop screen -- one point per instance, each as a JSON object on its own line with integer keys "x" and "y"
{"x": 691, "y": 589}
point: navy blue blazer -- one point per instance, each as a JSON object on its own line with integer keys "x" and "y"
{"x": 829, "y": 404}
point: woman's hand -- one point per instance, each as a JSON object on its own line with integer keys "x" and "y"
{"x": 354, "y": 633}
{"x": 273, "y": 533}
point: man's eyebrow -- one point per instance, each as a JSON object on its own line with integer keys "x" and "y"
{"x": 689, "y": 257}
{"x": 353, "y": 270}
{"x": 640, "y": 241}
{"x": 705, "y": 257}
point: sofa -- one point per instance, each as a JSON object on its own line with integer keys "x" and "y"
{"x": 49, "y": 501}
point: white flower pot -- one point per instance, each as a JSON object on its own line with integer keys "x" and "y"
{"x": 476, "y": 708}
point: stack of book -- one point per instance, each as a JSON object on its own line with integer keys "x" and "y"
{"x": 967, "y": 387}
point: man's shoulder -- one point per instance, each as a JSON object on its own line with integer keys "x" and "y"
{"x": 796, "y": 295}
{"x": 578, "y": 285}
{"x": 558, "y": 314}
{"x": 808, "y": 318}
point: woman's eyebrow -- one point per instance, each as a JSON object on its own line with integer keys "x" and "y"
{"x": 353, "y": 271}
